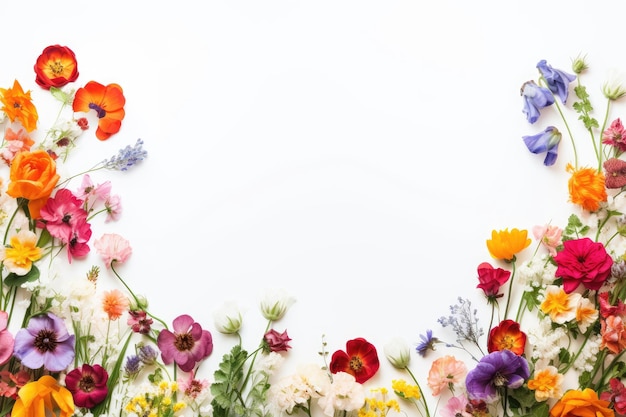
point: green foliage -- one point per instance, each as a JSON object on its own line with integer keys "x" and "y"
{"x": 584, "y": 108}
{"x": 575, "y": 228}
{"x": 14, "y": 280}
{"x": 228, "y": 379}
{"x": 522, "y": 403}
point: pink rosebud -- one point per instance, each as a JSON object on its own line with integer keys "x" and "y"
{"x": 277, "y": 342}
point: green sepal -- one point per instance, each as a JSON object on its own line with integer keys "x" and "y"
{"x": 14, "y": 280}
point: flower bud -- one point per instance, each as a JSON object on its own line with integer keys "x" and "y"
{"x": 579, "y": 65}
{"x": 228, "y": 319}
{"x": 275, "y": 305}
{"x": 139, "y": 302}
{"x": 398, "y": 352}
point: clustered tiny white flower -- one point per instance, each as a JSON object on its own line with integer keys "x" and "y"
{"x": 269, "y": 363}
{"x": 309, "y": 382}
{"x": 546, "y": 342}
{"x": 589, "y": 354}
{"x": 344, "y": 394}
{"x": 536, "y": 273}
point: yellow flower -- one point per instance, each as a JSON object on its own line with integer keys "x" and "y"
{"x": 560, "y": 306}
{"x": 18, "y": 105}
{"x": 21, "y": 253}
{"x": 586, "y": 187}
{"x": 405, "y": 390}
{"x": 43, "y": 398}
{"x": 505, "y": 244}
{"x": 546, "y": 383}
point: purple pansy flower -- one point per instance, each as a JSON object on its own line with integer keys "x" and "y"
{"x": 558, "y": 81}
{"x": 535, "y": 99}
{"x": 45, "y": 342}
{"x": 498, "y": 369}
{"x": 546, "y": 141}
{"x": 186, "y": 345}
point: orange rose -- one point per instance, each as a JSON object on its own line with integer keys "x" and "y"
{"x": 576, "y": 403}
{"x": 33, "y": 176}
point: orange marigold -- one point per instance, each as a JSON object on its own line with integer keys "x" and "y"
{"x": 586, "y": 187}
{"x": 505, "y": 244}
{"x": 18, "y": 105}
{"x": 114, "y": 303}
{"x": 581, "y": 404}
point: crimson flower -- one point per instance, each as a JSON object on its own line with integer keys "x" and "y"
{"x": 359, "y": 360}
{"x": 616, "y": 395}
{"x": 507, "y": 335}
{"x": 491, "y": 279}
{"x": 607, "y": 309}
{"x": 88, "y": 385}
{"x": 186, "y": 345}
{"x": 583, "y": 261}
{"x": 276, "y": 342}
{"x": 55, "y": 67}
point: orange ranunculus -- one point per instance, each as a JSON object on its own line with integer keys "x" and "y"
{"x": 55, "y": 67}
{"x": 505, "y": 244}
{"x": 18, "y": 105}
{"x": 108, "y": 103}
{"x": 586, "y": 187}
{"x": 576, "y": 403}
{"x": 33, "y": 176}
{"x": 507, "y": 335}
{"x": 44, "y": 397}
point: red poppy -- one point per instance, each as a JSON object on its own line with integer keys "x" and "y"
{"x": 55, "y": 67}
{"x": 491, "y": 279}
{"x": 507, "y": 335}
{"x": 88, "y": 385}
{"x": 359, "y": 360}
{"x": 108, "y": 103}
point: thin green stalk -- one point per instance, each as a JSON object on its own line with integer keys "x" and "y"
{"x": 419, "y": 387}
{"x": 508, "y": 299}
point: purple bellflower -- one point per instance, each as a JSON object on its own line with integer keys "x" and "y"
{"x": 497, "y": 370}
{"x": 45, "y": 342}
{"x": 558, "y": 81}
{"x": 535, "y": 99}
{"x": 546, "y": 141}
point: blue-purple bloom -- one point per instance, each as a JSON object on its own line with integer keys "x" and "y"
{"x": 557, "y": 80}
{"x": 45, "y": 342}
{"x": 495, "y": 371}
{"x": 126, "y": 157}
{"x": 428, "y": 343}
{"x": 535, "y": 98}
{"x": 546, "y": 141}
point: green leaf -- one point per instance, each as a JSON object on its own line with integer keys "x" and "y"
{"x": 62, "y": 96}
{"x": 14, "y": 280}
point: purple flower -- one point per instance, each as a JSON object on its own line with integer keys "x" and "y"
{"x": 428, "y": 343}
{"x": 499, "y": 369}
{"x": 535, "y": 99}
{"x": 45, "y": 342}
{"x": 186, "y": 345}
{"x": 558, "y": 81}
{"x": 546, "y": 141}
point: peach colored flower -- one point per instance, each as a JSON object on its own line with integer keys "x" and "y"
{"x": 586, "y": 314}
{"x": 445, "y": 372}
{"x": 113, "y": 248}
{"x": 15, "y": 142}
{"x": 613, "y": 334}
{"x": 114, "y": 303}
{"x": 560, "y": 306}
{"x": 549, "y": 236}
{"x": 546, "y": 383}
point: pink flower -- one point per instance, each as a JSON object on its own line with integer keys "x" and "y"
{"x": 613, "y": 334}
{"x": 615, "y": 135}
{"x": 607, "y": 309}
{"x": 615, "y": 173}
{"x": 113, "y": 206}
{"x": 139, "y": 321}
{"x": 113, "y": 248}
{"x": 616, "y": 395}
{"x": 549, "y": 236}
{"x": 445, "y": 372}
{"x": 491, "y": 279}
{"x": 192, "y": 387}
{"x": 583, "y": 261}
{"x": 91, "y": 193}
{"x": 6, "y": 339}
{"x": 456, "y": 407}
{"x": 276, "y": 342}
{"x": 187, "y": 345}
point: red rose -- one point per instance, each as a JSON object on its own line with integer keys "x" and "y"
{"x": 491, "y": 279}
{"x": 583, "y": 261}
{"x": 277, "y": 342}
{"x": 55, "y": 67}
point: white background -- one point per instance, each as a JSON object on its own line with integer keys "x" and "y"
{"x": 356, "y": 154}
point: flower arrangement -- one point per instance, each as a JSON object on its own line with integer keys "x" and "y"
{"x": 87, "y": 344}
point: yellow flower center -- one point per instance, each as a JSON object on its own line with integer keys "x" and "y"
{"x": 56, "y": 67}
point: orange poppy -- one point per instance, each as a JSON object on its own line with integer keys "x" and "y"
{"x": 55, "y": 67}
{"x": 108, "y": 103}
{"x": 18, "y": 105}
{"x": 507, "y": 335}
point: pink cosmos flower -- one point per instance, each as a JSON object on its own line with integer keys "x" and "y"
{"x": 549, "y": 236}
{"x": 615, "y": 135}
{"x": 113, "y": 206}
{"x": 6, "y": 339}
{"x": 91, "y": 194}
{"x": 187, "y": 345}
{"x": 445, "y": 372}
{"x": 113, "y": 248}
{"x": 456, "y": 407}
{"x": 583, "y": 261}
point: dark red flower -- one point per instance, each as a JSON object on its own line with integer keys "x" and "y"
{"x": 88, "y": 385}
{"x": 276, "y": 342}
{"x": 615, "y": 173}
{"x": 607, "y": 309}
{"x": 359, "y": 360}
{"x": 616, "y": 395}
{"x": 55, "y": 67}
{"x": 139, "y": 321}
{"x": 491, "y": 279}
{"x": 507, "y": 335}
{"x": 583, "y": 261}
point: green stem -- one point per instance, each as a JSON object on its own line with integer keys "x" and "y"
{"x": 419, "y": 387}
{"x": 508, "y": 299}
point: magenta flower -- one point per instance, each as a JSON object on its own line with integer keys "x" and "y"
{"x": 45, "y": 342}
{"x": 615, "y": 135}
{"x": 276, "y": 342}
{"x": 491, "y": 279}
{"x": 88, "y": 385}
{"x": 187, "y": 345}
{"x": 6, "y": 339}
{"x": 113, "y": 248}
{"x": 496, "y": 370}
{"x": 91, "y": 194}
{"x": 139, "y": 321}
{"x": 616, "y": 395}
{"x": 583, "y": 261}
